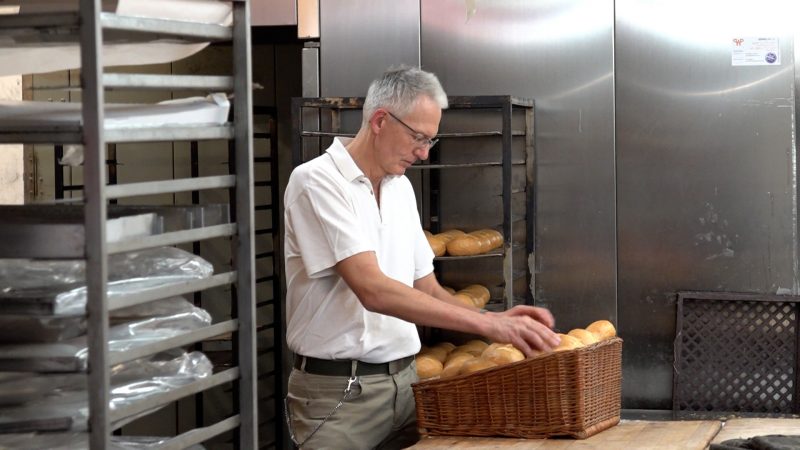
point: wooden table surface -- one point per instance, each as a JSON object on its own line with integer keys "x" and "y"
{"x": 628, "y": 435}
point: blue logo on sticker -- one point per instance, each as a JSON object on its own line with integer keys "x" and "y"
{"x": 771, "y": 57}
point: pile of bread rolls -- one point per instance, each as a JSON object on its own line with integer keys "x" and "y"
{"x": 445, "y": 359}
{"x": 596, "y": 331}
{"x": 459, "y": 243}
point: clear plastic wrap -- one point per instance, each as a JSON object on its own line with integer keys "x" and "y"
{"x": 67, "y": 409}
{"x": 79, "y": 441}
{"x": 72, "y": 354}
{"x": 63, "y": 281}
{"x": 21, "y": 328}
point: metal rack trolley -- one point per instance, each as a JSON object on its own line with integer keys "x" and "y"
{"x": 87, "y": 27}
{"x": 516, "y": 121}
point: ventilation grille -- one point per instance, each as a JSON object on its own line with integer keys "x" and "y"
{"x": 736, "y": 353}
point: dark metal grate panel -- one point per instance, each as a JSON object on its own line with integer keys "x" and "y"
{"x": 736, "y": 353}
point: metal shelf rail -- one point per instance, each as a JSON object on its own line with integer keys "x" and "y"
{"x": 87, "y": 28}
{"x": 509, "y": 108}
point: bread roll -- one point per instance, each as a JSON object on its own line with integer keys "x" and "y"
{"x": 476, "y": 302}
{"x": 448, "y": 346}
{"x": 585, "y": 336}
{"x": 436, "y": 352}
{"x": 465, "y": 245}
{"x": 427, "y": 233}
{"x": 603, "y": 329}
{"x": 437, "y": 245}
{"x": 478, "y": 292}
{"x": 492, "y": 346}
{"x": 505, "y": 354}
{"x": 449, "y": 235}
{"x": 568, "y": 343}
{"x": 475, "y": 365}
{"x": 464, "y": 299}
{"x": 470, "y": 350}
{"x": 477, "y": 344}
{"x": 454, "y": 363}
{"x": 428, "y": 367}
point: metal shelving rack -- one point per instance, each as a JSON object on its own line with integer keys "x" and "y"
{"x": 87, "y": 27}
{"x": 509, "y": 108}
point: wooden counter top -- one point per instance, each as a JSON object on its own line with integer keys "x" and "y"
{"x": 628, "y": 435}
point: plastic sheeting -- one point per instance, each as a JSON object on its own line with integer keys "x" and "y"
{"x": 79, "y": 441}
{"x": 73, "y": 354}
{"x": 23, "y": 57}
{"x": 63, "y": 281}
{"x": 134, "y": 382}
{"x": 197, "y": 111}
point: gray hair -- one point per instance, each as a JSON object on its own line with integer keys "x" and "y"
{"x": 398, "y": 88}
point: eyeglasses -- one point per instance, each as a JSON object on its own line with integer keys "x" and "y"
{"x": 419, "y": 138}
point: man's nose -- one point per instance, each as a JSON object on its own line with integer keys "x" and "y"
{"x": 422, "y": 152}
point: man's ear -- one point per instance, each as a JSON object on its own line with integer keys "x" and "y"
{"x": 377, "y": 121}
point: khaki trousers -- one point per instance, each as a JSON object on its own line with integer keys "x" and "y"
{"x": 380, "y": 413}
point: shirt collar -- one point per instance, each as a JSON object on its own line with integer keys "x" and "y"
{"x": 345, "y": 163}
{"x": 342, "y": 159}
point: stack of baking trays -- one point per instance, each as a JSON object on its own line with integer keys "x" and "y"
{"x": 43, "y": 342}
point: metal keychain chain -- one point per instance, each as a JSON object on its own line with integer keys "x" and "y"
{"x": 351, "y": 383}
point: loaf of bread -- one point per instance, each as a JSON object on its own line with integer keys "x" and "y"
{"x": 603, "y": 329}
{"x": 466, "y": 299}
{"x": 490, "y": 239}
{"x": 428, "y": 366}
{"x": 474, "y": 243}
{"x": 479, "y": 293}
{"x": 466, "y": 245}
{"x": 449, "y": 235}
{"x": 437, "y": 245}
{"x": 586, "y": 337}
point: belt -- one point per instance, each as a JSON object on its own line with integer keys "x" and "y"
{"x": 344, "y": 367}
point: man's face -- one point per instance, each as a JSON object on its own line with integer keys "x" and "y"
{"x": 406, "y": 140}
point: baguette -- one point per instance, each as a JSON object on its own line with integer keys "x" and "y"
{"x": 466, "y": 245}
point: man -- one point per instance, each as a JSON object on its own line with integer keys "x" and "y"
{"x": 360, "y": 276}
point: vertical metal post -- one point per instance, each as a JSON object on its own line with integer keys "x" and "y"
{"x": 298, "y": 152}
{"x": 508, "y": 245}
{"x": 277, "y": 270}
{"x": 530, "y": 202}
{"x": 245, "y": 256}
{"x": 95, "y": 221}
{"x": 58, "y": 153}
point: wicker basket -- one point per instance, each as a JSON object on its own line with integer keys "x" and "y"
{"x": 570, "y": 393}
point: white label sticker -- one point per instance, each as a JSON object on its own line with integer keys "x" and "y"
{"x": 750, "y": 51}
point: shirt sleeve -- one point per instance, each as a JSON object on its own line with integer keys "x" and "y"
{"x": 325, "y": 228}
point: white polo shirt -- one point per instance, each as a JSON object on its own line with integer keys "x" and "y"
{"x": 331, "y": 214}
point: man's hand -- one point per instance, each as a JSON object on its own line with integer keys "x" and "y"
{"x": 527, "y": 328}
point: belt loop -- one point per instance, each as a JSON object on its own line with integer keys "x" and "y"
{"x": 303, "y": 363}
{"x": 353, "y": 367}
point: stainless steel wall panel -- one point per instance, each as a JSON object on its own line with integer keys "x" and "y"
{"x": 560, "y": 54}
{"x": 705, "y": 175}
{"x": 359, "y": 39}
